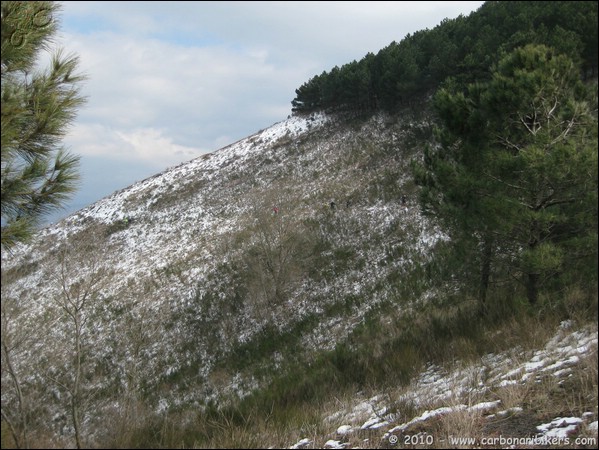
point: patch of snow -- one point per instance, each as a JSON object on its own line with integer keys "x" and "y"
{"x": 373, "y": 423}
{"x": 533, "y": 365}
{"x": 344, "y": 429}
{"x": 570, "y": 361}
{"x": 566, "y": 324}
{"x": 560, "y": 427}
{"x": 503, "y": 413}
{"x": 427, "y": 415}
{"x": 301, "y": 443}
{"x": 485, "y": 407}
{"x": 513, "y": 410}
{"x": 331, "y": 443}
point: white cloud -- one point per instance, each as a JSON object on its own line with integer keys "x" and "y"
{"x": 192, "y": 93}
{"x": 149, "y": 146}
{"x": 170, "y": 80}
{"x": 202, "y": 70}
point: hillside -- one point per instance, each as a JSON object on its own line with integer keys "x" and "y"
{"x": 289, "y": 290}
{"x": 197, "y": 286}
{"x": 278, "y": 270}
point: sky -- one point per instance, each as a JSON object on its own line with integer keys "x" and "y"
{"x": 170, "y": 81}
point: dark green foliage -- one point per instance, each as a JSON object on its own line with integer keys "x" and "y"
{"x": 269, "y": 341}
{"x": 463, "y": 48}
{"x": 514, "y": 180}
{"x": 38, "y": 175}
{"x": 117, "y": 226}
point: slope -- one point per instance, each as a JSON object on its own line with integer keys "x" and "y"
{"x": 188, "y": 288}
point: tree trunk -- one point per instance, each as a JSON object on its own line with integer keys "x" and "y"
{"x": 485, "y": 271}
{"x": 19, "y": 436}
{"x": 532, "y": 288}
{"x": 75, "y": 395}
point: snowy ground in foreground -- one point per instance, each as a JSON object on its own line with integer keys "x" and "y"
{"x": 435, "y": 386}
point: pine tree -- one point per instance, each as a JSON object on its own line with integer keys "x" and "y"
{"x": 516, "y": 170}
{"x": 38, "y": 173}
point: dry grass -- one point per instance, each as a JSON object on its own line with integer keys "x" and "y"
{"x": 260, "y": 432}
{"x": 524, "y": 405}
{"x": 541, "y": 398}
{"x": 459, "y": 424}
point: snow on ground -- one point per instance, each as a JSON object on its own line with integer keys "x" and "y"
{"x": 175, "y": 247}
{"x": 143, "y": 242}
{"x": 448, "y": 388}
{"x": 171, "y": 243}
{"x": 560, "y": 427}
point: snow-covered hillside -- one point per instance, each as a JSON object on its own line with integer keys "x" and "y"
{"x": 178, "y": 280}
{"x": 195, "y": 287}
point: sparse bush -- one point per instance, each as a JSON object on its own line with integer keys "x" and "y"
{"x": 117, "y": 226}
